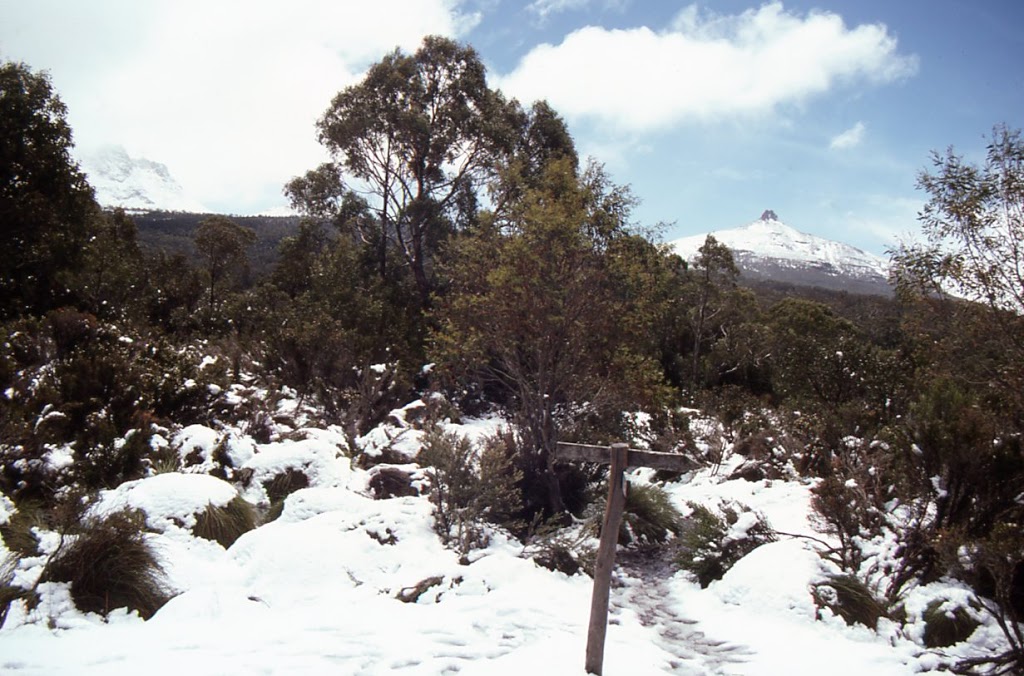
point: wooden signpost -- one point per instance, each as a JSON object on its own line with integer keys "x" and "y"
{"x": 620, "y": 457}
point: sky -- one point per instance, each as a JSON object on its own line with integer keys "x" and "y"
{"x": 823, "y": 111}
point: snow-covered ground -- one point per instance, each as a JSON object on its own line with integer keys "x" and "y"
{"x": 314, "y": 592}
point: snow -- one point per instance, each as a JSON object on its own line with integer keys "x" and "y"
{"x": 774, "y": 240}
{"x": 168, "y": 500}
{"x": 314, "y": 592}
{"x": 134, "y": 182}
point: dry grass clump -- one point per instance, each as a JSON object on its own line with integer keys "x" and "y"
{"x": 850, "y": 598}
{"x": 225, "y": 524}
{"x": 108, "y": 565}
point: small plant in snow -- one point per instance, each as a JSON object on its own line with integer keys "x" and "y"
{"x": 470, "y": 487}
{"x": 649, "y": 516}
{"x": 711, "y": 543}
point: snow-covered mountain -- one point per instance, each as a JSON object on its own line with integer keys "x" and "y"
{"x": 768, "y": 249}
{"x": 134, "y": 183}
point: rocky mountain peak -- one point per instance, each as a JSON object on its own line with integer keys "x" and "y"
{"x": 769, "y": 215}
{"x": 121, "y": 180}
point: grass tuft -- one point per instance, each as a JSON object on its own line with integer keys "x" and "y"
{"x": 649, "y": 516}
{"x": 17, "y": 533}
{"x": 226, "y": 523}
{"x": 284, "y": 484}
{"x": 944, "y": 628}
{"x": 850, "y": 598}
{"x": 109, "y": 565}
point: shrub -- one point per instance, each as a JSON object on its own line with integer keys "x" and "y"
{"x": 77, "y": 386}
{"x": 649, "y": 516}
{"x": 225, "y": 523}
{"x": 469, "y": 487}
{"x": 848, "y": 597}
{"x": 709, "y": 544}
{"x": 944, "y": 627}
{"x": 17, "y": 533}
{"x": 566, "y": 550}
{"x": 108, "y": 564}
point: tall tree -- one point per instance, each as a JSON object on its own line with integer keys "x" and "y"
{"x": 223, "y": 245}
{"x": 537, "y": 310}
{"x": 418, "y": 136}
{"x": 714, "y": 275}
{"x": 974, "y": 225}
{"x": 47, "y": 208}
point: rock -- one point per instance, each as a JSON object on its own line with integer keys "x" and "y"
{"x": 388, "y": 481}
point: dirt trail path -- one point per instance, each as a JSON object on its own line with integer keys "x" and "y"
{"x": 640, "y": 584}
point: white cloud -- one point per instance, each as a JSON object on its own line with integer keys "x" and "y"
{"x": 705, "y": 66}
{"x": 226, "y": 92}
{"x": 544, "y": 8}
{"x": 851, "y": 138}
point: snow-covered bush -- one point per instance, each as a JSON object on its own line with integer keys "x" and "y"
{"x": 947, "y": 624}
{"x": 711, "y": 543}
{"x": 81, "y": 398}
{"x": 568, "y": 550}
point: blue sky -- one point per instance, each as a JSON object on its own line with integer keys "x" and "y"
{"x": 712, "y": 112}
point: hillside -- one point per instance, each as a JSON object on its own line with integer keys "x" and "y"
{"x": 172, "y": 232}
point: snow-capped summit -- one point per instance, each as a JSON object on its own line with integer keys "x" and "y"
{"x": 770, "y": 249}
{"x": 134, "y": 183}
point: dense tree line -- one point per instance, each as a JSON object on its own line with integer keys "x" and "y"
{"x": 452, "y": 227}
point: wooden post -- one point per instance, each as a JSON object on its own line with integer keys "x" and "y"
{"x": 617, "y": 487}
{"x": 620, "y": 457}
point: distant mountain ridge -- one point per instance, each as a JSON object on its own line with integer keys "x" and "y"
{"x": 135, "y": 183}
{"x": 768, "y": 249}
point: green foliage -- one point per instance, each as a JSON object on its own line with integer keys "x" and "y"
{"x": 222, "y": 244}
{"x": 82, "y": 389}
{"x": 708, "y": 544}
{"x": 649, "y": 516}
{"x": 174, "y": 294}
{"x": 535, "y": 311}
{"x": 470, "y": 487}
{"x": 713, "y": 276}
{"x": 109, "y": 564}
{"x": 423, "y": 130}
{"x": 171, "y": 233}
{"x": 973, "y": 226}
{"x": 46, "y": 206}
{"x": 225, "y": 523}
{"x": 945, "y": 626}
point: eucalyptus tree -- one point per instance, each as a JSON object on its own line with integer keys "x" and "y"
{"x": 410, "y": 145}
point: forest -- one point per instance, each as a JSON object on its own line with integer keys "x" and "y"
{"x": 457, "y": 250}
